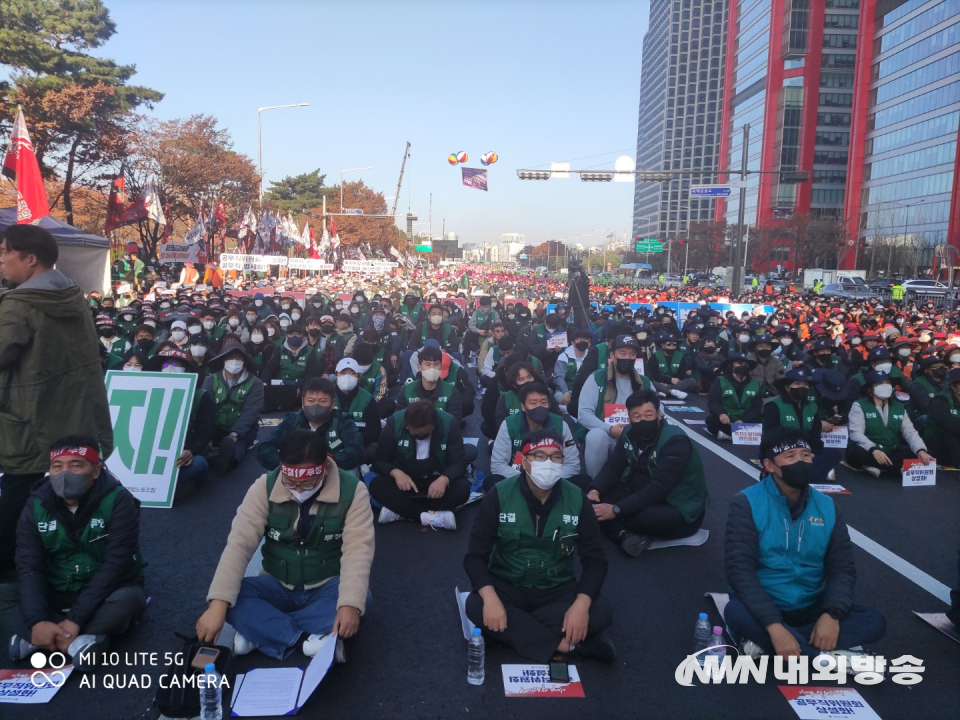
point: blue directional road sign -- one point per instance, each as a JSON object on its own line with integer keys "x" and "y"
{"x": 710, "y": 191}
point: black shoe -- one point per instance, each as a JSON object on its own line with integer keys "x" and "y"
{"x": 599, "y": 647}
{"x": 633, "y": 544}
{"x": 221, "y": 465}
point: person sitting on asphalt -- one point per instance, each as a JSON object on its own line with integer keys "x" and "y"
{"x": 421, "y": 467}
{"x": 78, "y": 560}
{"x": 193, "y": 465}
{"x": 823, "y": 355}
{"x": 373, "y": 376}
{"x": 518, "y": 373}
{"x": 316, "y": 526}
{"x": 942, "y": 428}
{"x": 317, "y": 413}
{"x": 357, "y": 402}
{"x": 600, "y": 392}
{"x": 768, "y": 369}
{"x": 927, "y": 384}
{"x": 881, "y": 433}
{"x": 427, "y": 385}
{"x": 238, "y": 396}
{"x": 736, "y": 396}
{"x": 881, "y": 360}
{"x": 490, "y": 354}
{"x": 520, "y": 562}
{"x": 434, "y": 328}
{"x": 706, "y": 363}
{"x": 653, "y": 487}
{"x": 793, "y": 596}
{"x": 672, "y": 368}
{"x": 833, "y": 405}
{"x": 796, "y": 407}
{"x": 568, "y": 364}
{"x": 535, "y": 405}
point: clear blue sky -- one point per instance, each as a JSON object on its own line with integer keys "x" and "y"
{"x": 534, "y": 81}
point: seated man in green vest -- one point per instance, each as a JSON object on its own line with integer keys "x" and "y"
{"x": 672, "y": 368}
{"x": 292, "y": 364}
{"x": 567, "y": 365}
{"x": 115, "y": 344}
{"x": 373, "y": 376}
{"x": 734, "y": 397}
{"x": 357, "y": 402}
{"x": 653, "y": 487}
{"x": 319, "y": 414}
{"x": 427, "y": 385}
{"x": 881, "y": 433}
{"x": 315, "y": 522}
{"x": 796, "y": 406}
{"x": 927, "y": 384}
{"x": 600, "y": 418}
{"x": 491, "y": 354}
{"x": 942, "y": 428}
{"x": 520, "y": 562}
{"x": 793, "y": 594}
{"x": 78, "y": 559}
{"x": 880, "y": 359}
{"x": 435, "y": 328}
{"x": 535, "y": 405}
{"x": 421, "y": 468}
{"x": 238, "y": 395}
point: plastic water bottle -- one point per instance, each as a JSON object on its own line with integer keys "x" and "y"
{"x": 211, "y": 695}
{"x": 717, "y": 647}
{"x": 475, "y": 658}
{"x": 701, "y": 636}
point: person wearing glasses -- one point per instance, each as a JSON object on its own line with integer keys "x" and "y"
{"x": 316, "y": 525}
{"x": 520, "y": 561}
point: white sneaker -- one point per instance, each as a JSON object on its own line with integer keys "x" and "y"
{"x": 241, "y": 646}
{"x": 314, "y": 644}
{"x": 84, "y": 649}
{"x": 679, "y": 394}
{"x": 873, "y": 471}
{"x": 388, "y": 516}
{"x": 434, "y": 519}
{"x": 832, "y": 476}
{"x": 723, "y": 436}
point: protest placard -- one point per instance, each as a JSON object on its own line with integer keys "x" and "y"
{"x": 836, "y": 438}
{"x": 639, "y": 366}
{"x": 915, "y": 473}
{"x": 811, "y": 703}
{"x": 174, "y": 251}
{"x": 832, "y": 489}
{"x": 308, "y": 264}
{"x": 534, "y": 681}
{"x": 615, "y": 414}
{"x": 747, "y": 433}
{"x": 557, "y": 341}
{"x": 367, "y": 266}
{"x": 32, "y": 687}
{"x": 150, "y": 412}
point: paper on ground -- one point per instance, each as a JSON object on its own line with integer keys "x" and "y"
{"x": 465, "y": 623}
{"x": 695, "y": 540}
{"x": 472, "y": 441}
{"x": 941, "y": 623}
{"x": 721, "y": 600}
{"x": 20, "y": 687}
{"x": 534, "y": 681}
{"x": 812, "y": 703}
{"x": 832, "y": 489}
{"x": 695, "y": 422}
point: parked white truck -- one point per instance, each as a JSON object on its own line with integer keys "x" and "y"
{"x": 844, "y": 277}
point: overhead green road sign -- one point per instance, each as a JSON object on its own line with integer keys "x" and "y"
{"x": 648, "y": 245}
{"x": 424, "y": 248}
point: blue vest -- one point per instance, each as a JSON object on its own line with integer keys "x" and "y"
{"x": 791, "y": 562}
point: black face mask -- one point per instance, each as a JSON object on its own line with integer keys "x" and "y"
{"x": 669, "y": 351}
{"x": 538, "y": 415}
{"x": 581, "y": 346}
{"x": 742, "y": 372}
{"x": 799, "y": 394}
{"x": 646, "y": 429}
{"x": 625, "y": 366}
{"x": 824, "y": 358}
{"x": 421, "y": 437}
{"x": 317, "y": 413}
{"x": 106, "y": 332}
{"x": 796, "y": 475}
{"x": 314, "y": 332}
{"x": 145, "y": 343}
{"x": 327, "y": 329}
{"x": 709, "y": 350}
{"x": 939, "y": 373}
{"x": 763, "y": 353}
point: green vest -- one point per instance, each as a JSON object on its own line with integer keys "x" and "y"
{"x": 571, "y": 374}
{"x": 522, "y": 558}
{"x": 480, "y": 317}
{"x": 603, "y": 356}
{"x": 293, "y": 367}
{"x": 439, "y": 402}
{"x": 515, "y": 428}
{"x": 932, "y": 431}
{"x": 788, "y": 414}
{"x": 310, "y": 560}
{"x": 886, "y": 437}
{"x": 512, "y": 401}
{"x": 357, "y": 407}
{"x": 340, "y": 343}
{"x": 425, "y": 333}
{"x": 118, "y": 348}
{"x": 540, "y": 332}
{"x": 230, "y": 401}
{"x": 70, "y": 564}
{"x": 689, "y": 495}
{"x": 407, "y": 446}
{"x": 735, "y": 406}
{"x": 600, "y": 378}
{"x": 414, "y": 314}
{"x": 669, "y": 367}
{"x": 372, "y": 378}
{"x": 912, "y": 410}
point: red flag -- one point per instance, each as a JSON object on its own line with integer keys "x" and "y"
{"x": 21, "y": 166}
{"x": 116, "y": 203}
{"x": 220, "y": 212}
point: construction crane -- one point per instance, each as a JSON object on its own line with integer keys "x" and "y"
{"x": 396, "y": 199}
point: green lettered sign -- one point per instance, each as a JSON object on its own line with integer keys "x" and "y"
{"x": 150, "y": 413}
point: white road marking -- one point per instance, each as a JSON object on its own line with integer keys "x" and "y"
{"x": 887, "y": 557}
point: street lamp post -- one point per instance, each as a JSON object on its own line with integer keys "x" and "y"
{"x": 259, "y": 150}
{"x": 341, "y": 181}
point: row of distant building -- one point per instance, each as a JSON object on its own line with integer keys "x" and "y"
{"x": 863, "y": 95}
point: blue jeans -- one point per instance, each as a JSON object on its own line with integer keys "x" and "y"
{"x": 273, "y": 617}
{"x": 196, "y": 471}
{"x": 861, "y": 626}
{"x": 823, "y": 462}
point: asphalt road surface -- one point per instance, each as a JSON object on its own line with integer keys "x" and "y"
{"x": 409, "y": 659}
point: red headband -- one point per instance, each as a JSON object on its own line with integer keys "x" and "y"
{"x": 545, "y": 443}
{"x": 83, "y": 451}
{"x": 295, "y": 473}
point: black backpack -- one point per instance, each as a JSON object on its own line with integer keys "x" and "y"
{"x": 180, "y": 699}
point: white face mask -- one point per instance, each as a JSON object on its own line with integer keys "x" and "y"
{"x": 256, "y": 338}
{"x": 743, "y": 338}
{"x": 295, "y": 315}
{"x": 271, "y": 332}
{"x": 955, "y": 359}
{"x": 364, "y": 368}
{"x": 151, "y": 323}
{"x": 884, "y": 367}
{"x": 436, "y": 319}
{"x": 883, "y": 391}
{"x": 251, "y": 319}
{"x": 855, "y": 341}
{"x": 208, "y": 325}
{"x": 284, "y": 324}
{"x": 194, "y": 329}
{"x": 258, "y": 303}
{"x": 174, "y": 369}
{"x": 430, "y": 374}
{"x": 233, "y": 322}
{"x": 303, "y": 495}
{"x": 178, "y": 335}
{"x": 132, "y": 368}
{"x": 234, "y": 367}
{"x": 545, "y": 474}
{"x": 905, "y": 352}
{"x": 346, "y": 382}
{"x": 198, "y": 351}
{"x": 786, "y": 342}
